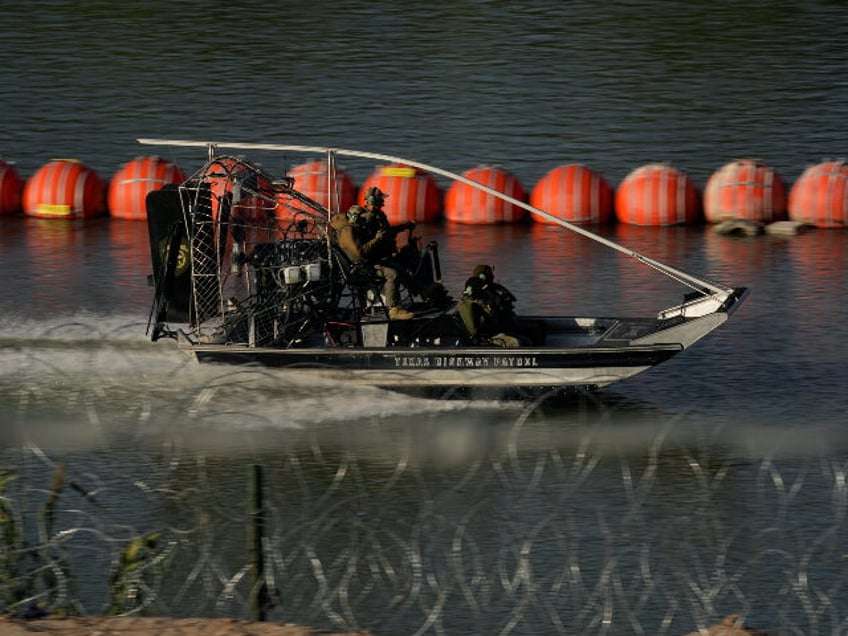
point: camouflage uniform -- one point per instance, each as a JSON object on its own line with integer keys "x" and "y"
{"x": 487, "y": 310}
{"x": 481, "y": 318}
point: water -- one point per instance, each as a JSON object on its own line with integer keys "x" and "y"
{"x": 720, "y": 470}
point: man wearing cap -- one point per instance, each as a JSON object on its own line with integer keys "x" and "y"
{"x": 373, "y": 239}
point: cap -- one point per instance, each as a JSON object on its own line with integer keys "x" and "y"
{"x": 374, "y": 194}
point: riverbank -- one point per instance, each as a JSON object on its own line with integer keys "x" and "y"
{"x": 155, "y": 626}
{"x": 731, "y": 625}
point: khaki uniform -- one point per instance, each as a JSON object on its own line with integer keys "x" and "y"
{"x": 360, "y": 246}
{"x": 352, "y": 241}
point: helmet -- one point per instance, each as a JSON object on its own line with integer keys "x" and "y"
{"x": 374, "y": 196}
{"x": 485, "y": 273}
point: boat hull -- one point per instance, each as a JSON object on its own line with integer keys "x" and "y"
{"x": 473, "y": 367}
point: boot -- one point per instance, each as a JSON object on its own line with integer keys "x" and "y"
{"x": 399, "y": 313}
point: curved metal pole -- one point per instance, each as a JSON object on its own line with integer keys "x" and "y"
{"x": 687, "y": 279}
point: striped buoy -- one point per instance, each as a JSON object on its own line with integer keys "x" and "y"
{"x": 336, "y": 192}
{"x": 11, "y": 189}
{"x": 256, "y": 201}
{"x": 65, "y": 189}
{"x": 657, "y": 194}
{"x": 745, "y": 189}
{"x": 573, "y": 193}
{"x": 466, "y": 204}
{"x": 820, "y": 196}
{"x": 131, "y": 184}
{"x": 412, "y": 194}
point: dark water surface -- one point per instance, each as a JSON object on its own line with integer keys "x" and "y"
{"x": 711, "y": 484}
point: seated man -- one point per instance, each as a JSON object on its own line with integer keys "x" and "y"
{"x": 365, "y": 235}
{"x": 480, "y": 317}
{"x": 487, "y": 310}
{"x": 501, "y": 299}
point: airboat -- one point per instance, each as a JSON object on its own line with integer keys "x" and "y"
{"x": 245, "y": 272}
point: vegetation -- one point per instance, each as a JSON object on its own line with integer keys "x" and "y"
{"x": 35, "y": 574}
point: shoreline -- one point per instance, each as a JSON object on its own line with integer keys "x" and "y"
{"x": 156, "y": 626}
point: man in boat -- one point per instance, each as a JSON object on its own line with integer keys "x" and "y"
{"x": 365, "y": 235}
{"x": 480, "y": 318}
{"x": 487, "y": 310}
{"x": 417, "y": 274}
{"x": 376, "y": 224}
{"x": 373, "y": 215}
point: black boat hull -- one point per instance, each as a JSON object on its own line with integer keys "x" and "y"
{"x": 479, "y": 367}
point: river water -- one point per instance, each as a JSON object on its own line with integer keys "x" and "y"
{"x": 712, "y": 484}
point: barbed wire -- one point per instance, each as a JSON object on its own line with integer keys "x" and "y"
{"x": 135, "y": 482}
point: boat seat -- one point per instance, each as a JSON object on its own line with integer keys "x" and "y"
{"x": 362, "y": 285}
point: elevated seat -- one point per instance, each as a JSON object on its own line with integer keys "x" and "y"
{"x": 360, "y": 286}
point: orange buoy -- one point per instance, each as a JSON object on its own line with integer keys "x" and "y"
{"x": 130, "y": 185}
{"x": 745, "y": 189}
{"x": 65, "y": 189}
{"x": 820, "y": 196}
{"x": 657, "y": 194}
{"x": 413, "y": 194}
{"x": 466, "y": 204}
{"x": 573, "y": 193}
{"x": 11, "y": 189}
{"x": 255, "y": 195}
{"x": 335, "y": 192}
